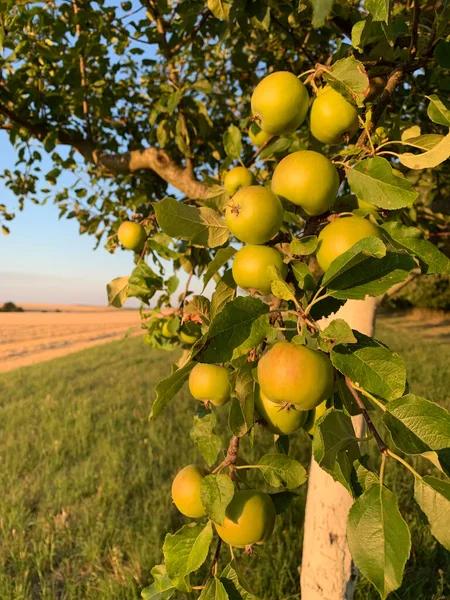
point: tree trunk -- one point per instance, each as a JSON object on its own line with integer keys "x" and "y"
{"x": 327, "y": 571}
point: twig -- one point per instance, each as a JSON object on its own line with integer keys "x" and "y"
{"x": 195, "y": 30}
{"x": 403, "y": 462}
{"x": 186, "y": 289}
{"x": 381, "y": 445}
{"x": 85, "y": 106}
{"x": 414, "y": 29}
{"x": 174, "y": 78}
{"x": 250, "y": 162}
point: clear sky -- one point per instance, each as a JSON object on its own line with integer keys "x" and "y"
{"x": 45, "y": 259}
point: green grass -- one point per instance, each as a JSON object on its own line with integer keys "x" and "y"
{"x": 85, "y": 479}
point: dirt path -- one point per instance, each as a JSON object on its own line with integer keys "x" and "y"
{"x": 34, "y": 336}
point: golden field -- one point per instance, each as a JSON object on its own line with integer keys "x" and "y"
{"x": 40, "y": 333}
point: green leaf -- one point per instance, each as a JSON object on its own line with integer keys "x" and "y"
{"x": 373, "y": 181}
{"x": 433, "y": 497}
{"x": 373, "y": 277}
{"x": 321, "y": 11}
{"x": 213, "y": 590}
{"x": 225, "y": 292}
{"x": 427, "y": 141}
{"x": 219, "y": 8}
{"x": 172, "y": 284}
{"x": 303, "y": 246}
{"x": 417, "y": 425}
{"x": 201, "y": 226}
{"x": 372, "y": 366}
{"x": 283, "y": 500}
{"x": 241, "y": 325}
{"x": 143, "y": 282}
{"x": 378, "y": 9}
{"x": 379, "y": 539}
{"x": 216, "y": 493}
{"x": 280, "y": 470}
{"x": 427, "y": 160}
{"x": 234, "y": 582}
{"x": 167, "y": 388}
{"x": 278, "y": 145}
{"x": 117, "y": 291}
{"x": 303, "y": 275}
{"x": 348, "y": 77}
{"x": 221, "y": 258}
{"x": 199, "y": 305}
{"x": 186, "y": 550}
{"x": 281, "y": 443}
{"x": 242, "y": 406}
{"x": 410, "y": 239}
{"x": 337, "y": 332}
{"x": 232, "y": 142}
{"x": 279, "y": 287}
{"x": 162, "y": 588}
{"x": 335, "y": 446}
{"x": 440, "y": 459}
{"x": 359, "y": 252}
{"x": 439, "y": 110}
{"x": 365, "y": 474}
{"x": 204, "y": 436}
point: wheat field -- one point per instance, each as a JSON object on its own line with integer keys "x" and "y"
{"x": 46, "y": 331}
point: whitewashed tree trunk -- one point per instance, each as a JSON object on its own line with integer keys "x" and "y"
{"x": 327, "y": 571}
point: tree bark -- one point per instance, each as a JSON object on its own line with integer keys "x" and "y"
{"x": 327, "y": 571}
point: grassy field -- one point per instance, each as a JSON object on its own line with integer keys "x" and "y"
{"x": 85, "y": 480}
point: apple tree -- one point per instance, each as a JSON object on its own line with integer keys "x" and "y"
{"x": 293, "y": 157}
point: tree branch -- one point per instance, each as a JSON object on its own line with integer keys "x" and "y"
{"x": 394, "y": 79}
{"x": 414, "y": 30}
{"x": 159, "y": 161}
{"x": 381, "y": 445}
{"x": 174, "y": 78}
{"x": 205, "y": 15}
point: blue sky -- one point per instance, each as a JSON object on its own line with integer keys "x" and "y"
{"x": 44, "y": 259}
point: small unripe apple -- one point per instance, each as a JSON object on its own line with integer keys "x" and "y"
{"x": 332, "y": 117}
{"x": 340, "y": 235}
{"x": 190, "y": 332}
{"x": 131, "y": 235}
{"x": 289, "y": 373}
{"x": 186, "y": 491}
{"x": 210, "y": 383}
{"x": 280, "y": 103}
{"x": 307, "y": 179}
{"x": 251, "y": 267}
{"x": 280, "y": 420}
{"x": 257, "y": 136}
{"x": 254, "y": 214}
{"x": 249, "y": 519}
{"x": 167, "y": 332}
{"x": 238, "y": 178}
{"x": 313, "y": 416}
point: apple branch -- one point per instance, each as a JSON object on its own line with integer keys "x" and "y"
{"x": 152, "y": 159}
{"x": 381, "y": 445}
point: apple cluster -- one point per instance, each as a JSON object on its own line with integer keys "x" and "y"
{"x": 294, "y": 381}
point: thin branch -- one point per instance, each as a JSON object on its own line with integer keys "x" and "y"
{"x": 381, "y": 445}
{"x": 252, "y": 160}
{"x": 174, "y": 78}
{"x": 394, "y": 79}
{"x": 301, "y": 45}
{"x": 414, "y": 30}
{"x": 159, "y": 161}
{"x": 82, "y": 73}
{"x": 205, "y": 15}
